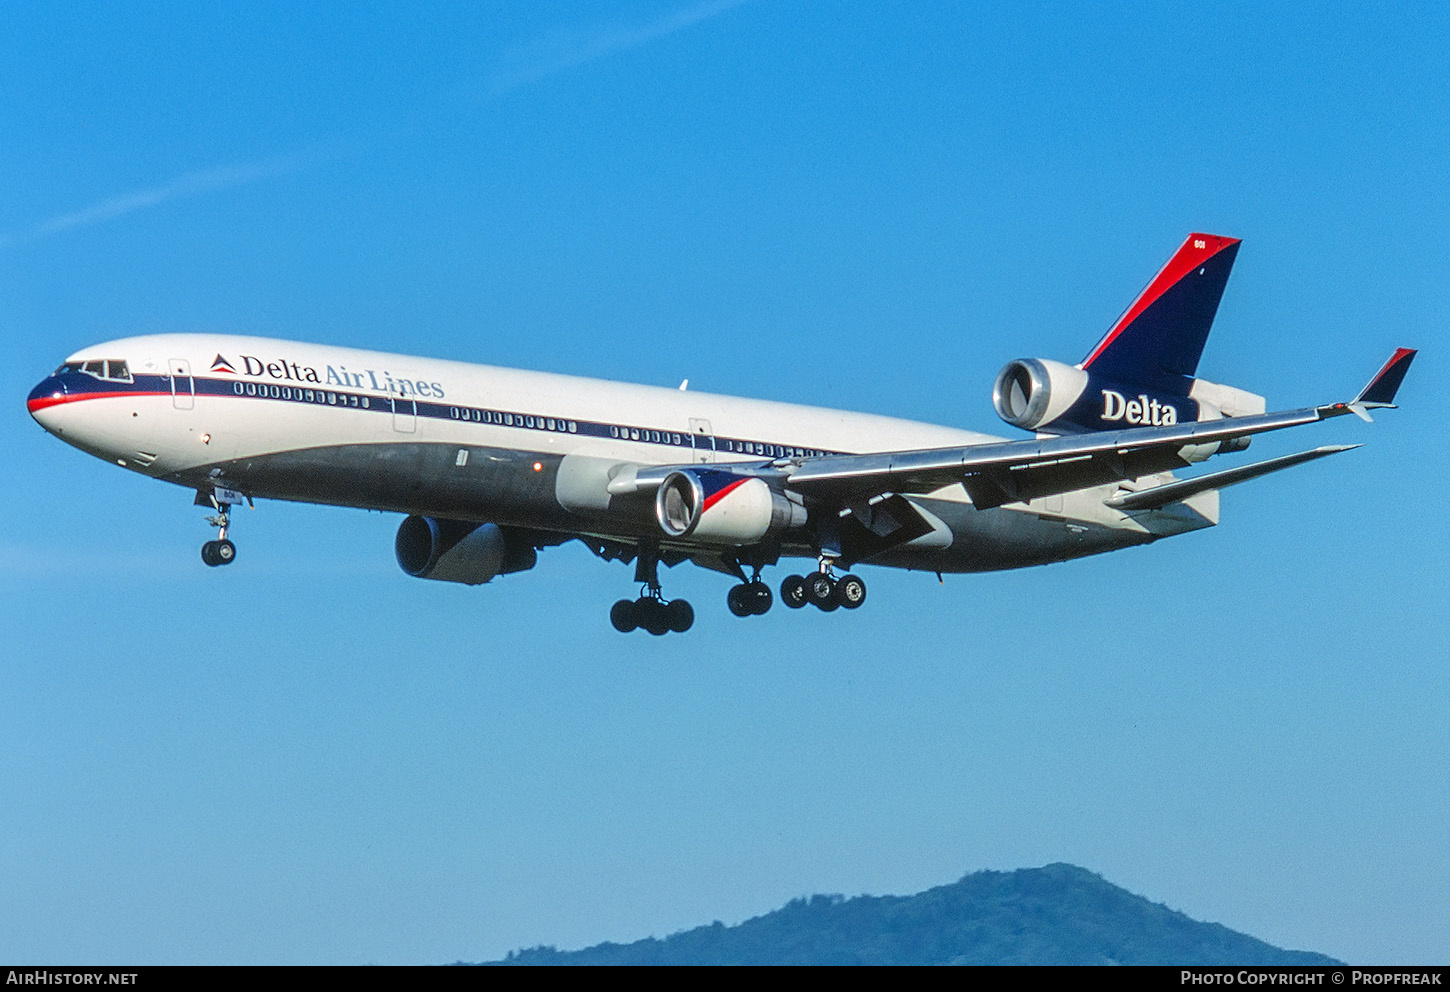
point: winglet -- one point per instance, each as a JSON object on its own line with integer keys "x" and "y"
{"x": 1382, "y": 388}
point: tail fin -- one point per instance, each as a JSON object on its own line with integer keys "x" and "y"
{"x": 1158, "y": 340}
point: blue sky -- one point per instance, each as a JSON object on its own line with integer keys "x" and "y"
{"x": 311, "y": 757}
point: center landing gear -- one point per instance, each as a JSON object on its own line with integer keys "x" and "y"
{"x": 823, "y": 590}
{"x": 651, "y": 612}
{"x": 750, "y": 599}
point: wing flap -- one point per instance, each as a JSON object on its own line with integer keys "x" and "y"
{"x": 1173, "y": 492}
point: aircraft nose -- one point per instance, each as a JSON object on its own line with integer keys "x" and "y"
{"x": 48, "y": 393}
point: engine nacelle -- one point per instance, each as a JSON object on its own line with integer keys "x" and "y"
{"x": 1038, "y": 394}
{"x": 715, "y": 507}
{"x": 1033, "y": 393}
{"x": 459, "y": 551}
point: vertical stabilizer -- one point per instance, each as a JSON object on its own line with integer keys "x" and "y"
{"x": 1158, "y": 340}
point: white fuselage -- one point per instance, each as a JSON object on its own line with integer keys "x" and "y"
{"x": 309, "y": 422}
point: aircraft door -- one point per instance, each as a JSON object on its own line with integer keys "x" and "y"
{"x": 405, "y": 413}
{"x": 702, "y": 439}
{"x": 183, "y": 388}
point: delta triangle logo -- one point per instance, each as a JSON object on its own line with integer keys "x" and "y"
{"x": 220, "y": 364}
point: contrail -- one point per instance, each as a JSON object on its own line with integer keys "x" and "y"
{"x": 525, "y": 64}
{"x": 546, "y": 56}
{"x": 187, "y": 184}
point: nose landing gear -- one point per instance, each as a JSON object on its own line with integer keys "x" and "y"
{"x": 221, "y": 551}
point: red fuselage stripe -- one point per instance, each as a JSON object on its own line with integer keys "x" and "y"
{"x": 45, "y": 402}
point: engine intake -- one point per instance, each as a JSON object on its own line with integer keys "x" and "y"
{"x": 460, "y": 551}
{"x": 715, "y": 507}
{"x": 1033, "y": 392}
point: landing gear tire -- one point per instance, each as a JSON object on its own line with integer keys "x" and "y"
{"x": 681, "y": 615}
{"x": 821, "y": 590}
{"x": 793, "y": 591}
{"x": 653, "y": 616}
{"x": 622, "y": 615}
{"x": 216, "y": 553}
{"x": 850, "y": 591}
{"x": 759, "y": 597}
{"x": 750, "y": 599}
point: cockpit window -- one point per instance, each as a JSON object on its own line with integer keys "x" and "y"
{"x": 101, "y": 368}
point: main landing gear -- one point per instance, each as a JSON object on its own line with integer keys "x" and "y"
{"x": 651, "y": 612}
{"x": 752, "y": 597}
{"x": 823, "y": 590}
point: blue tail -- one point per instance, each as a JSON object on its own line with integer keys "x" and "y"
{"x": 1158, "y": 340}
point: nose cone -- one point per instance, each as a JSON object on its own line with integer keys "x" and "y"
{"x": 49, "y": 394}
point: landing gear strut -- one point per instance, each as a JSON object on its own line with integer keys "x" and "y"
{"x": 823, "y": 589}
{"x": 651, "y": 612}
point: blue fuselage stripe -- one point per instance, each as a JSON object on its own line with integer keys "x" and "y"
{"x": 81, "y": 382}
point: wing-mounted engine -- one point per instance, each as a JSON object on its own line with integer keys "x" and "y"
{"x": 714, "y": 507}
{"x": 460, "y": 551}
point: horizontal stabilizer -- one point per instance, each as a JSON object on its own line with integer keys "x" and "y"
{"x": 1172, "y": 492}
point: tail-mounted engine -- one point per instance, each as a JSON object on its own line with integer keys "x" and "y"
{"x": 1033, "y": 393}
{"x": 459, "y": 551}
{"x": 1038, "y": 394}
{"x": 714, "y": 507}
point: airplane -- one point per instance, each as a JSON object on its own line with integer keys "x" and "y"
{"x": 490, "y": 466}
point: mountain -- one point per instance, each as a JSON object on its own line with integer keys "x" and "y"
{"x": 1059, "y": 914}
